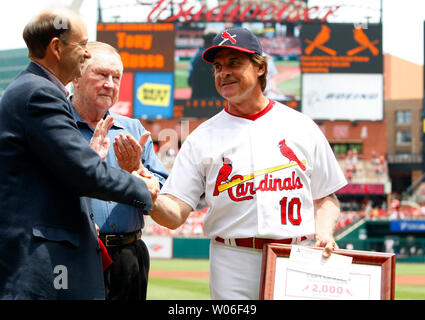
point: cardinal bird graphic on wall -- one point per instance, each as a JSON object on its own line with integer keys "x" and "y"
{"x": 290, "y": 154}
{"x": 223, "y": 174}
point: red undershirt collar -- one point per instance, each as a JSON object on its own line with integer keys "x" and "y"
{"x": 254, "y": 116}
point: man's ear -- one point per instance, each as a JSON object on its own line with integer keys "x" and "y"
{"x": 75, "y": 82}
{"x": 261, "y": 70}
{"x": 55, "y": 47}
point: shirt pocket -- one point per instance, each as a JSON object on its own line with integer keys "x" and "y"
{"x": 56, "y": 234}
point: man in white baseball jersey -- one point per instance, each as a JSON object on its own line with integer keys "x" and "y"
{"x": 267, "y": 172}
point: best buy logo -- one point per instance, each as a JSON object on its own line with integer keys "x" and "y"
{"x": 154, "y": 94}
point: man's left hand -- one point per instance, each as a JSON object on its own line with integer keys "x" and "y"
{"x": 326, "y": 242}
{"x": 129, "y": 152}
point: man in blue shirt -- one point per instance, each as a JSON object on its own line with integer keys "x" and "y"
{"x": 95, "y": 92}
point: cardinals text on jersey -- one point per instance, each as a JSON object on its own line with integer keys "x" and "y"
{"x": 259, "y": 176}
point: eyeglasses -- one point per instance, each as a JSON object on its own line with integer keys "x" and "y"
{"x": 82, "y": 44}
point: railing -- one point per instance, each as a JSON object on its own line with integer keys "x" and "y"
{"x": 406, "y": 250}
{"x": 404, "y": 158}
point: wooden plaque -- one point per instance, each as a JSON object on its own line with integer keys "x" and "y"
{"x": 372, "y": 277}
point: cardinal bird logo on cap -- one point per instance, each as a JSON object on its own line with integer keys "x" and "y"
{"x": 223, "y": 174}
{"x": 227, "y": 36}
{"x": 290, "y": 154}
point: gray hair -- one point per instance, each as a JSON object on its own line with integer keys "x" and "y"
{"x": 96, "y": 47}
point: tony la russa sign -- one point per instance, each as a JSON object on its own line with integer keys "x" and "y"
{"x": 147, "y": 47}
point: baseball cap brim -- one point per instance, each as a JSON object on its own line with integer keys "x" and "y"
{"x": 210, "y": 53}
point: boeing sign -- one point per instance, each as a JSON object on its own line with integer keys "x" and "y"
{"x": 407, "y": 226}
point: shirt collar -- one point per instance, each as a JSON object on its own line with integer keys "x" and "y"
{"x": 78, "y": 119}
{"x": 255, "y": 116}
{"x": 54, "y": 79}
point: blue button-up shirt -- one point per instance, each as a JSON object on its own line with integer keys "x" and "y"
{"x": 112, "y": 217}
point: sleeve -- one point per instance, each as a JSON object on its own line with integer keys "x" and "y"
{"x": 185, "y": 180}
{"x": 53, "y": 136}
{"x": 327, "y": 176}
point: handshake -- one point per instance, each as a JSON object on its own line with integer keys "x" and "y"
{"x": 128, "y": 152}
{"x": 150, "y": 180}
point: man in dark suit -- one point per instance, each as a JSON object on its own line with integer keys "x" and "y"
{"x": 48, "y": 241}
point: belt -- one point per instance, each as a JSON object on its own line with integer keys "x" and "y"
{"x": 113, "y": 240}
{"x": 256, "y": 243}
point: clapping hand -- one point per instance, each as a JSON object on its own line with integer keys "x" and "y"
{"x": 100, "y": 142}
{"x": 129, "y": 152}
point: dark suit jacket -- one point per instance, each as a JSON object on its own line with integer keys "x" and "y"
{"x": 48, "y": 242}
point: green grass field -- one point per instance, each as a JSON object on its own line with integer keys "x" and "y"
{"x": 410, "y": 292}
{"x": 179, "y": 289}
{"x": 197, "y": 289}
{"x": 181, "y": 75}
{"x": 180, "y": 265}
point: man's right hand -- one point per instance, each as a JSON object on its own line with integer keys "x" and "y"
{"x": 151, "y": 182}
{"x": 100, "y": 141}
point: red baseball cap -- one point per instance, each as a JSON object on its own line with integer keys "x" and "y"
{"x": 240, "y": 39}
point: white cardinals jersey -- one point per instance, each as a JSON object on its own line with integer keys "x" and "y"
{"x": 260, "y": 174}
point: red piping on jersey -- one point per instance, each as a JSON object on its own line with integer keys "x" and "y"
{"x": 254, "y": 116}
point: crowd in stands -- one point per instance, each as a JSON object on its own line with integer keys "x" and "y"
{"x": 364, "y": 168}
{"x": 398, "y": 210}
{"x": 193, "y": 227}
{"x": 346, "y": 218}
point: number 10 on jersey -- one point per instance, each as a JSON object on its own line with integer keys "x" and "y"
{"x": 290, "y": 209}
